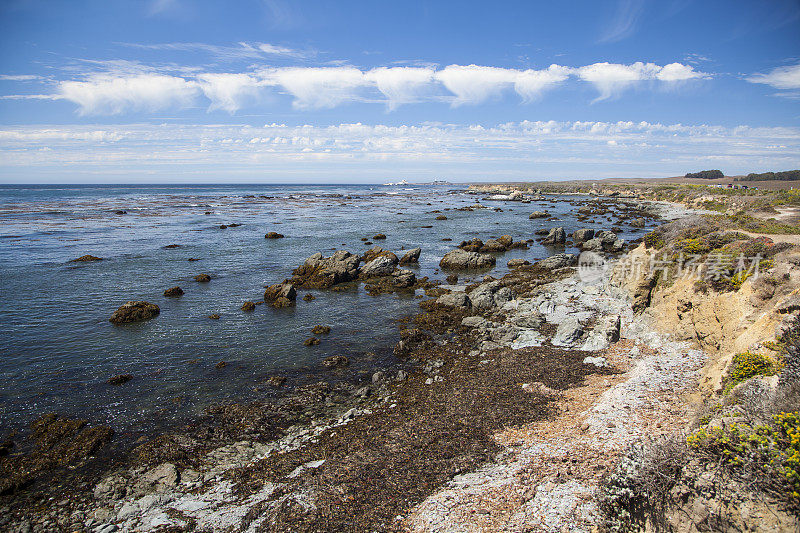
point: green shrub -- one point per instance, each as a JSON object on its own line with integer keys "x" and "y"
{"x": 653, "y": 240}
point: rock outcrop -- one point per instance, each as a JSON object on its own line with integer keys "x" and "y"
{"x": 134, "y": 311}
{"x": 411, "y": 256}
{"x": 463, "y": 260}
{"x": 319, "y": 272}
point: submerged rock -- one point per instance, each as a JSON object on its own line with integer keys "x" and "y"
{"x": 249, "y": 306}
{"x": 86, "y": 259}
{"x": 311, "y": 341}
{"x": 320, "y": 330}
{"x": 335, "y": 361}
{"x": 120, "y": 379}
{"x": 202, "y": 278}
{"x": 464, "y": 260}
{"x": 273, "y": 235}
{"x": 134, "y": 311}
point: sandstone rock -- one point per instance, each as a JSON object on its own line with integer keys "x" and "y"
{"x": 538, "y": 214}
{"x": 335, "y": 361}
{"x": 173, "y": 291}
{"x": 555, "y": 236}
{"x": 202, "y": 278}
{"x": 86, "y": 259}
{"x": 134, "y": 311}
{"x": 454, "y": 299}
{"x": 411, "y": 256}
{"x": 557, "y": 261}
{"x": 463, "y": 260}
{"x": 642, "y": 294}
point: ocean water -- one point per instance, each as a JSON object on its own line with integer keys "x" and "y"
{"x": 58, "y": 349}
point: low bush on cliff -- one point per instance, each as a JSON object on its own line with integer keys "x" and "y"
{"x": 747, "y": 365}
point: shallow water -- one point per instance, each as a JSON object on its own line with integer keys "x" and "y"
{"x": 58, "y": 348}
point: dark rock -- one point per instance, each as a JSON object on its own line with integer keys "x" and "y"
{"x": 320, "y": 330}
{"x": 273, "y": 235}
{"x": 493, "y": 245}
{"x": 638, "y": 222}
{"x": 542, "y": 231}
{"x": 202, "y": 278}
{"x": 335, "y": 361}
{"x": 134, "y": 311}
{"x": 86, "y": 259}
{"x": 311, "y": 341}
{"x": 441, "y": 217}
{"x": 411, "y": 256}
{"x": 452, "y": 279}
{"x": 516, "y": 263}
{"x": 214, "y": 316}
{"x": 276, "y": 294}
{"x": 309, "y": 297}
{"x": 249, "y": 306}
{"x": 172, "y": 246}
{"x": 120, "y": 212}
{"x": 221, "y": 364}
{"x": 120, "y": 379}
{"x": 378, "y": 237}
{"x": 382, "y": 265}
{"x": 173, "y": 291}
{"x": 276, "y": 381}
{"x": 455, "y": 299}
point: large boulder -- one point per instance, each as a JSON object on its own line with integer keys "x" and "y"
{"x": 493, "y": 245}
{"x": 538, "y": 214}
{"x": 454, "y": 299}
{"x": 134, "y": 311}
{"x": 569, "y": 333}
{"x": 383, "y": 265}
{"x": 592, "y": 245}
{"x": 411, "y": 256}
{"x": 319, "y": 272}
{"x": 555, "y": 236}
{"x": 472, "y": 245}
{"x": 580, "y": 236}
{"x": 557, "y": 261}
{"x": 464, "y": 260}
{"x": 489, "y": 295}
{"x": 606, "y": 331}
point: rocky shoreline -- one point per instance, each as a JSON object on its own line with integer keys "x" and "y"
{"x": 523, "y": 394}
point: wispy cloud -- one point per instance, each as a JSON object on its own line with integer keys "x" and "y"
{"x": 543, "y": 149}
{"x": 242, "y": 50}
{"x": 780, "y": 78}
{"x": 625, "y": 21}
{"x": 19, "y": 77}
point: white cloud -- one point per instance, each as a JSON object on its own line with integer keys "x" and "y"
{"x": 317, "y": 87}
{"x": 779, "y": 78}
{"x": 402, "y": 85}
{"x": 18, "y": 77}
{"x": 679, "y": 72}
{"x": 229, "y": 92}
{"x": 530, "y": 84}
{"x": 473, "y": 84}
{"x": 610, "y": 79}
{"x": 110, "y": 95}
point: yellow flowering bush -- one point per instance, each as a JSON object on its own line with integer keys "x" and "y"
{"x": 746, "y": 365}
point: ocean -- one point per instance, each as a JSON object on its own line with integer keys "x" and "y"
{"x": 58, "y": 349}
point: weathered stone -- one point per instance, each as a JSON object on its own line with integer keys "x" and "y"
{"x": 569, "y": 332}
{"x": 463, "y": 260}
{"x": 580, "y": 236}
{"x": 454, "y": 299}
{"x": 557, "y": 261}
{"x": 173, "y": 291}
{"x": 321, "y": 272}
{"x": 249, "y": 306}
{"x": 403, "y": 279}
{"x": 383, "y": 265}
{"x": 555, "y": 236}
{"x": 538, "y": 214}
{"x": 411, "y": 256}
{"x": 285, "y": 291}
{"x": 335, "y": 361}
{"x": 202, "y": 278}
{"x": 273, "y": 235}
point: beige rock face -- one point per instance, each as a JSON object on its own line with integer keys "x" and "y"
{"x": 722, "y": 324}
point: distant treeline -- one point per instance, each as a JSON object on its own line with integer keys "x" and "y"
{"x": 706, "y": 174}
{"x": 787, "y": 175}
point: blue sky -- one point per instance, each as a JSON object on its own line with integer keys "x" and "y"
{"x": 344, "y": 91}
